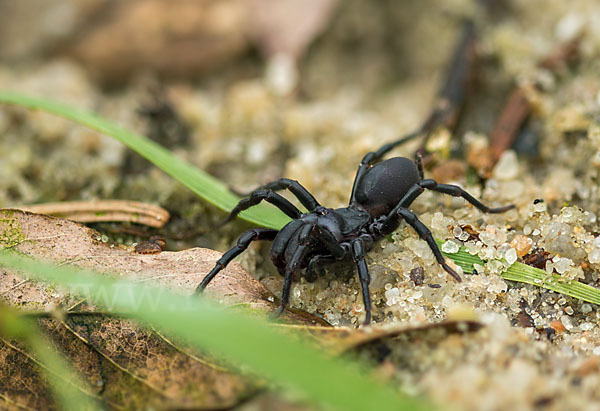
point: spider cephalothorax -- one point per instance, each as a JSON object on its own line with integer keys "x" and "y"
{"x": 381, "y": 195}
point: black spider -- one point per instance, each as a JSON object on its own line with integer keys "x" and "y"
{"x": 381, "y": 195}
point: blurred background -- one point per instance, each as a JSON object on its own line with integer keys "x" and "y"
{"x": 252, "y": 90}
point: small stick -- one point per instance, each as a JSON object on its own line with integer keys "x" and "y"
{"x": 515, "y": 112}
{"x": 104, "y": 210}
{"x": 517, "y": 107}
{"x": 451, "y": 96}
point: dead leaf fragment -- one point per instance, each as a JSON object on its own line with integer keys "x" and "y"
{"x": 131, "y": 366}
{"x": 103, "y": 210}
{"x": 67, "y": 242}
{"x": 153, "y": 245}
{"x": 449, "y": 171}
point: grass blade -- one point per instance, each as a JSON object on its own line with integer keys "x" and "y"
{"x": 204, "y": 185}
{"x": 527, "y": 274}
{"x": 531, "y": 275}
{"x": 246, "y": 340}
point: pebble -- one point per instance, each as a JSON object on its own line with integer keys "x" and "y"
{"x": 511, "y": 256}
{"x": 507, "y": 167}
{"x": 450, "y": 247}
{"x": 540, "y": 207}
{"x": 594, "y": 256}
{"x": 561, "y": 264}
{"x": 567, "y": 322}
{"x": 392, "y": 296}
{"x": 457, "y": 232}
{"x": 558, "y": 326}
{"x": 447, "y": 301}
{"x": 521, "y": 244}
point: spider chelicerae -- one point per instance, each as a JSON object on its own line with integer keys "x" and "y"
{"x": 381, "y": 194}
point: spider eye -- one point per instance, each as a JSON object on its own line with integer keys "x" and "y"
{"x": 321, "y": 211}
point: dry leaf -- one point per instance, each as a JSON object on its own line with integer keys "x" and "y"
{"x": 129, "y": 366}
{"x": 67, "y": 242}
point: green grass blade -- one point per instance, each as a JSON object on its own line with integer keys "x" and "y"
{"x": 65, "y": 383}
{"x": 531, "y": 275}
{"x": 204, "y": 185}
{"x": 526, "y": 274}
{"x": 280, "y": 358}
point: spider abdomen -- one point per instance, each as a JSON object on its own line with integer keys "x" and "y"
{"x": 384, "y": 184}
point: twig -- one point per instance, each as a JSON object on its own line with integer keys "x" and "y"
{"x": 517, "y": 108}
{"x": 515, "y": 112}
{"x": 451, "y": 96}
{"x": 103, "y": 210}
{"x": 14, "y": 287}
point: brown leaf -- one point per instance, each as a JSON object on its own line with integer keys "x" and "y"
{"x": 67, "y": 242}
{"x": 129, "y": 365}
{"x": 21, "y": 385}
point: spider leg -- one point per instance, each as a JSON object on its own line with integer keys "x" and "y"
{"x": 358, "y": 255}
{"x": 242, "y": 244}
{"x": 288, "y": 276}
{"x": 292, "y": 266}
{"x": 418, "y": 189}
{"x": 301, "y": 193}
{"x": 268, "y": 195}
{"x": 457, "y": 191}
{"x": 330, "y": 243}
{"x": 425, "y": 234}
